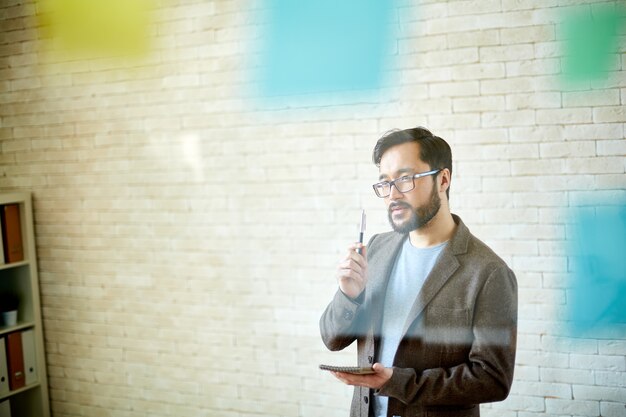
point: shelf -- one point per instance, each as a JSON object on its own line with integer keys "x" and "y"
{"x": 20, "y": 326}
{"x": 20, "y": 279}
{"x": 18, "y": 391}
{"x": 13, "y": 265}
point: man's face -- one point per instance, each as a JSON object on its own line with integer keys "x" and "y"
{"x": 414, "y": 209}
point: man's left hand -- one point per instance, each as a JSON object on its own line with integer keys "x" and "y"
{"x": 374, "y": 381}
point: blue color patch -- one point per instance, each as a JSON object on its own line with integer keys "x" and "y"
{"x": 318, "y": 46}
{"x": 598, "y": 254}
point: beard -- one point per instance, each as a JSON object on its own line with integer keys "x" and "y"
{"x": 419, "y": 217}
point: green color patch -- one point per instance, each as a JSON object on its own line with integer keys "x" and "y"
{"x": 591, "y": 41}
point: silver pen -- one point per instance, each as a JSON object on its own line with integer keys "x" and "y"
{"x": 361, "y": 230}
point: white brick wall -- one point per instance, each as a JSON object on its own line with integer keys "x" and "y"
{"x": 169, "y": 290}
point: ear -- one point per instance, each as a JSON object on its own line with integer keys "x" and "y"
{"x": 444, "y": 178}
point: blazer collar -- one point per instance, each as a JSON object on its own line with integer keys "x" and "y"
{"x": 460, "y": 240}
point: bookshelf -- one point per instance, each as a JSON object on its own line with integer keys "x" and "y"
{"x": 19, "y": 278}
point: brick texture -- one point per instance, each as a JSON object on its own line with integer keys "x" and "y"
{"x": 188, "y": 230}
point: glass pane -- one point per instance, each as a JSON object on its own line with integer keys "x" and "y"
{"x": 404, "y": 184}
{"x": 382, "y": 189}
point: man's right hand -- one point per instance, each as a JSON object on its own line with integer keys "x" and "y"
{"x": 352, "y": 271}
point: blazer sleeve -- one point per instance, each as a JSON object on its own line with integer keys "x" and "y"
{"x": 487, "y": 375}
{"x": 340, "y": 322}
{"x": 344, "y": 319}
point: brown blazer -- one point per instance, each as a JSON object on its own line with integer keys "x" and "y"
{"x": 458, "y": 348}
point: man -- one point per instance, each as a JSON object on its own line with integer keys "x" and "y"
{"x": 432, "y": 308}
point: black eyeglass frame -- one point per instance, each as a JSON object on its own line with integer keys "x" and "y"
{"x": 413, "y": 178}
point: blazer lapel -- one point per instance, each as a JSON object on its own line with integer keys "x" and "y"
{"x": 446, "y": 265}
{"x": 376, "y": 295}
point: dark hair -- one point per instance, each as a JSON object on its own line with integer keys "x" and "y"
{"x": 433, "y": 150}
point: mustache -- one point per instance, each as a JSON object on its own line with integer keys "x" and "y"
{"x": 396, "y": 204}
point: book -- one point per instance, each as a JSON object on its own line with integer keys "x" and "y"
{"x": 30, "y": 356}
{"x": 15, "y": 360}
{"x": 12, "y": 233}
{"x": 4, "y": 371}
{"x": 1, "y": 243}
{"x": 5, "y": 408}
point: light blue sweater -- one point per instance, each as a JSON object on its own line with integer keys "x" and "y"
{"x": 409, "y": 273}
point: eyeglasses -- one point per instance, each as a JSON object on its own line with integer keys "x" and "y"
{"x": 403, "y": 184}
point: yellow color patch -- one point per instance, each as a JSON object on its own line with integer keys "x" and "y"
{"x": 97, "y": 26}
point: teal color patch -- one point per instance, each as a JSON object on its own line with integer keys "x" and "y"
{"x": 317, "y": 46}
{"x": 598, "y": 255}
